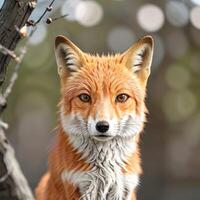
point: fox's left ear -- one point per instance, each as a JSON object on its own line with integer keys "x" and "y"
{"x": 138, "y": 58}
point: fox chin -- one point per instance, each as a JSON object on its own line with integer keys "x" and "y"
{"x": 101, "y": 116}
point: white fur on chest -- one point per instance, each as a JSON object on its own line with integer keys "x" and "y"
{"x": 105, "y": 180}
{"x": 97, "y": 185}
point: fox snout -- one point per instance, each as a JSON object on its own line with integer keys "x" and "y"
{"x": 102, "y": 126}
{"x": 101, "y": 129}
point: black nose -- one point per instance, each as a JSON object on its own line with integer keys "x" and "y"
{"x": 102, "y": 126}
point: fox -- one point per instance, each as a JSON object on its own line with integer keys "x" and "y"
{"x": 102, "y": 113}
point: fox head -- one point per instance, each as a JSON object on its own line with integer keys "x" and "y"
{"x": 103, "y": 96}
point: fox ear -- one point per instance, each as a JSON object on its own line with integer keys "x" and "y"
{"x": 139, "y": 57}
{"x": 69, "y": 57}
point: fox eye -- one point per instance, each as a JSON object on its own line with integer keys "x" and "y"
{"x": 84, "y": 97}
{"x": 121, "y": 98}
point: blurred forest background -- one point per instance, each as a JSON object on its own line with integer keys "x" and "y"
{"x": 170, "y": 145}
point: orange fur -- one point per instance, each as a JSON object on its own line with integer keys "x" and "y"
{"x": 51, "y": 187}
{"x": 103, "y": 77}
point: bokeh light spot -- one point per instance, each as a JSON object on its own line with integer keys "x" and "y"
{"x": 197, "y": 2}
{"x": 120, "y": 38}
{"x": 39, "y": 35}
{"x": 177, "y": 77}
{"x": 150, "y": 17}
{"x": 195, "y": 17}
{"x": 88, "y": 13}
{"x": 69, "y": 8}
{"x": 177, "y": 13}
{"x": 179, "y": 105}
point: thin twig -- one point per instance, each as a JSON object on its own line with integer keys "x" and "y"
{"x": 14, "y": 76}
{"x": 6, "y": 51}
{"x": 49, "y": 8}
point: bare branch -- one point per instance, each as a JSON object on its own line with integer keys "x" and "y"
{"x": 6, "y": 52}
{"x": 19, "y": 188}
{"x": 15, "y": 73}
{"x": 12, "y": 179}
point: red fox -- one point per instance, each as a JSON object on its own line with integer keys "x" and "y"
{"x": 102, "y": 113}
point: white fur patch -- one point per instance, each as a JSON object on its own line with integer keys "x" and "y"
{"x": 70, "y": 58}
{"x": 131, "y": 182}
{"x": 73, "y": 124}
{"x": 75, "y": 177}
{"x": 126, "y": 127}
{"x": 138, "y": 59}
{"x": 97, "y": 184}
{"x": 131, "y": 125}
{"x": 105, "y": 180}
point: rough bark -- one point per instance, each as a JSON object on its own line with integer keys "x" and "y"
{"x": 13, "y": 184}
{"x": 14, "y": 13}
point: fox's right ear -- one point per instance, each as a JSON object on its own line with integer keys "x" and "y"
{"x": 69, "y": 57}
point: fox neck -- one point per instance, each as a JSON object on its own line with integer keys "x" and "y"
{"x": 109, "y": 167}
{"x": 99, "y": 152}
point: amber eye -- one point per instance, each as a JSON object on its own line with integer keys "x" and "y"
{"x": 84, "y": 97}
{"x": 121, "y": 98}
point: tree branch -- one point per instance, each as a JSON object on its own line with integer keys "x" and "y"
{"x": 13, "y": 184}
{"x": 14, "y": 13}
{"x": 13, "y": 25}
